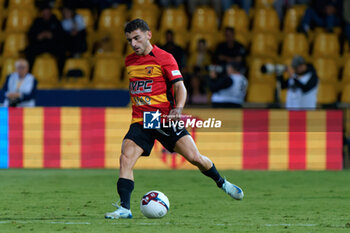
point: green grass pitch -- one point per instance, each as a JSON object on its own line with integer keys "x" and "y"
{"x": 76, "y": 200}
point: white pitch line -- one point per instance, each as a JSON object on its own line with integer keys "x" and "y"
{"x": 43, "y": 221}
{"x": 72, "y": 223}
{"x": 163, "y": 223}
{"x": 291, "y": 225}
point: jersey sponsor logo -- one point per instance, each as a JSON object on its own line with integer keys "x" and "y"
{"x": 175, "y": 72}
{"x": 141, "y": 86}
{"x": 144, "y": 71}
{"x": 149, "y": 100}
{"x": 151, "y": 120}
{"x": 141, "y": 100}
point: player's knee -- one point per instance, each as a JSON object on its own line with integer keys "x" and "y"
{"x": 124, "y": 160}
{"x": 196, "y": 159}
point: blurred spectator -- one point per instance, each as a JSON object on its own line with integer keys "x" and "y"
{"x": 301, "y": 85}
{"x": 75, "y": 32}
{"x": 40, "y": 3}
{"x": 193, "y": 4}
{"x": 230, "y": 50}
{"x": 168, "y": 3}
{"x": 196, "y": 92}
{"x": 46, "y": 36}
{"x": 201, "y": 58}
{"x": 229, "y": 90}
{"x": 244, "y": 4}
{"x": 346, "y": 15}
{"x": 282, "y": 6}
{"x": 103, "y": 4}
{"x": 322, "y": 13}
{"x": 104, "y": 45}
{"x": 20, "y": 87}
{"x": 174, "y": 49}
{"x": 80, "y": 3}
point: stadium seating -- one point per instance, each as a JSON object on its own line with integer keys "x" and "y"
{"x": 8, "y": 67}
{"x": 263, "y": 3}
{"x": 149, "y": 16}
{"x": 283, "y": 95}
{"x": 76, "y": 64}
{"x": 128, "y": 50}
{"x": 326, "y": 45}
{"x": 264, "y": 45}
{"x": 264, "y": 37}
{"x": 107, "y": 73}
{"x": 295, "y": 43}
{"x": 236, "y": 18}
{"x": 260, "y": 93}
{"x": 180, "y": 39}
{"x": 266, "y": 20}
{"x": 239, "y": 20}
{"x": 174, "y": 19}
{"x": 210, "y": 39}
{"x": 242, "y": 38}
{"x": 28, "y": 4}
{"x": 146, "y": 6}
{"x": 327, "y": 70}
{"x": 88, "y": 18}
{"x": 2, "y": 14}
{"x": 116, "y": 47}
{"x": 58, "y": 3}
{"x": 143, "y": 2}
{"x": 346, "y": 49}
{"x": 57, "y": 13}
{"x": 293, "y": 18}
{"x": 204, "y": 20}
{"x": 14, "y": 43}
{"x": 327, "y": 93}
{"x": 112, "y": 21}
{"x": 19, "y": 20}
{"x": 45, "y": 71}
{"x": 345, "y": 97}
{"x": 346, "y": 72}
{"x": 255, "y": 74}
{"x": 193, "y": 58}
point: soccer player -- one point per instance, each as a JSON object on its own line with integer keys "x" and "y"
{"x": 156, "y": 85}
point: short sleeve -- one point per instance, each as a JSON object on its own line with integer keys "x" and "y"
{"x": 171, "y": 70}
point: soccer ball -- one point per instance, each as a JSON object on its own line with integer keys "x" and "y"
{"x": 154, "y": 204}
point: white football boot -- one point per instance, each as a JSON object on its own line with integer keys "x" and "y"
{"x": 232, "y": 190}
{"x": 121, "y": 212}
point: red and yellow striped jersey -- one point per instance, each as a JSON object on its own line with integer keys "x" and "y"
{"x": 150, "y": 82}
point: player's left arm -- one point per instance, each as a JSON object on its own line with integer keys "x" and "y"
{"x": 174, "y": 76}
{"x": 180, "y": 93}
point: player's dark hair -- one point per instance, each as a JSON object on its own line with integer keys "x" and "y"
{"x": 136, "y": 24}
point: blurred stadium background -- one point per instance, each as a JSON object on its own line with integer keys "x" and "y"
{"x": 34, "y": 137}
